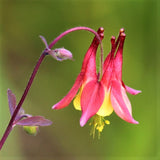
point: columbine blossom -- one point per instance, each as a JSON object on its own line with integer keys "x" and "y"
{"x": 29, "y": 123}
{"x": 101, "y": 93}
{"x": 18, "y": 117}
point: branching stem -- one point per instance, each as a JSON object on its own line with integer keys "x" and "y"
{"x": 11, "y": 122}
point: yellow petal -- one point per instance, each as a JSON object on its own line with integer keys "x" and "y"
{"x": 76, "y": 101}
{"x": 106, "y": 108}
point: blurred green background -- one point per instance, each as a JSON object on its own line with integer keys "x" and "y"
{"x": 21, "y": 24}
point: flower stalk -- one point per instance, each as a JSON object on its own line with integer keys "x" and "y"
{"x": 62, "y": 55}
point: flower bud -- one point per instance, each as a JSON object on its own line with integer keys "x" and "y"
{"x": 31, "y": 130}
{"x": 61, "y": 54}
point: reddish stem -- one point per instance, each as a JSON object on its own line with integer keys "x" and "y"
{"x": 9, "y": 127}
{"x": 72, "y": 30}
{"x": 11, "y": 122}
{"x": 82, "y": 28}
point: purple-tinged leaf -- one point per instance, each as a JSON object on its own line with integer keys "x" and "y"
{"x": 11, "y": 101}
{"x": 44, "y": 41}
{"x": 12, "y": 104}
{"x": 34, "y": 121}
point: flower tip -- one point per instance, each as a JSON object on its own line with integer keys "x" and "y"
{"x": 133, "y": 121}
{"x": 41, "y": 37}
{"x": 8, "y": 90}
{"x": 54, "y": 107}
{"x": 132, "y": 91}
{"x": 101, "y": 30}
{"x": 121, "y": 30}
{"x": 136, "y": 92}
{"x": 122, "y": 37}
{"x": 113, "y": 40}
{"x": 82, "y": 121}
{"x": 139, "y": 91}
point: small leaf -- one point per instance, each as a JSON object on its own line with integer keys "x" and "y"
{"x": 12, "y": 104}
{"x": 11, "y": 101}
{"x": 31, "y": 130}
{"x": 34, "y": 121}
{"x": 44, "y": 41}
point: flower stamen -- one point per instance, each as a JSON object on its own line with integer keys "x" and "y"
{"x": 97, "y": 123}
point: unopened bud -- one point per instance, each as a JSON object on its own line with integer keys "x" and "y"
{"x": 31, "y": 130}
{"x": 61, "y": 54}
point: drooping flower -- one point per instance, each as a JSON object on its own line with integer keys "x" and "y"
{"x": 101, "y": 93}
{"x": 29, "y": 123}
{"x": 18, "y": 117}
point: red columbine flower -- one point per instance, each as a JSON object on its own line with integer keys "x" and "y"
{"x": 100, "y": 94}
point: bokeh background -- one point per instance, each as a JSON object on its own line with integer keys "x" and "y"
{"x": 21, "y": 24}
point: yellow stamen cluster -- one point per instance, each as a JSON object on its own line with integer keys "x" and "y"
{"x": 97, "y": 123}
